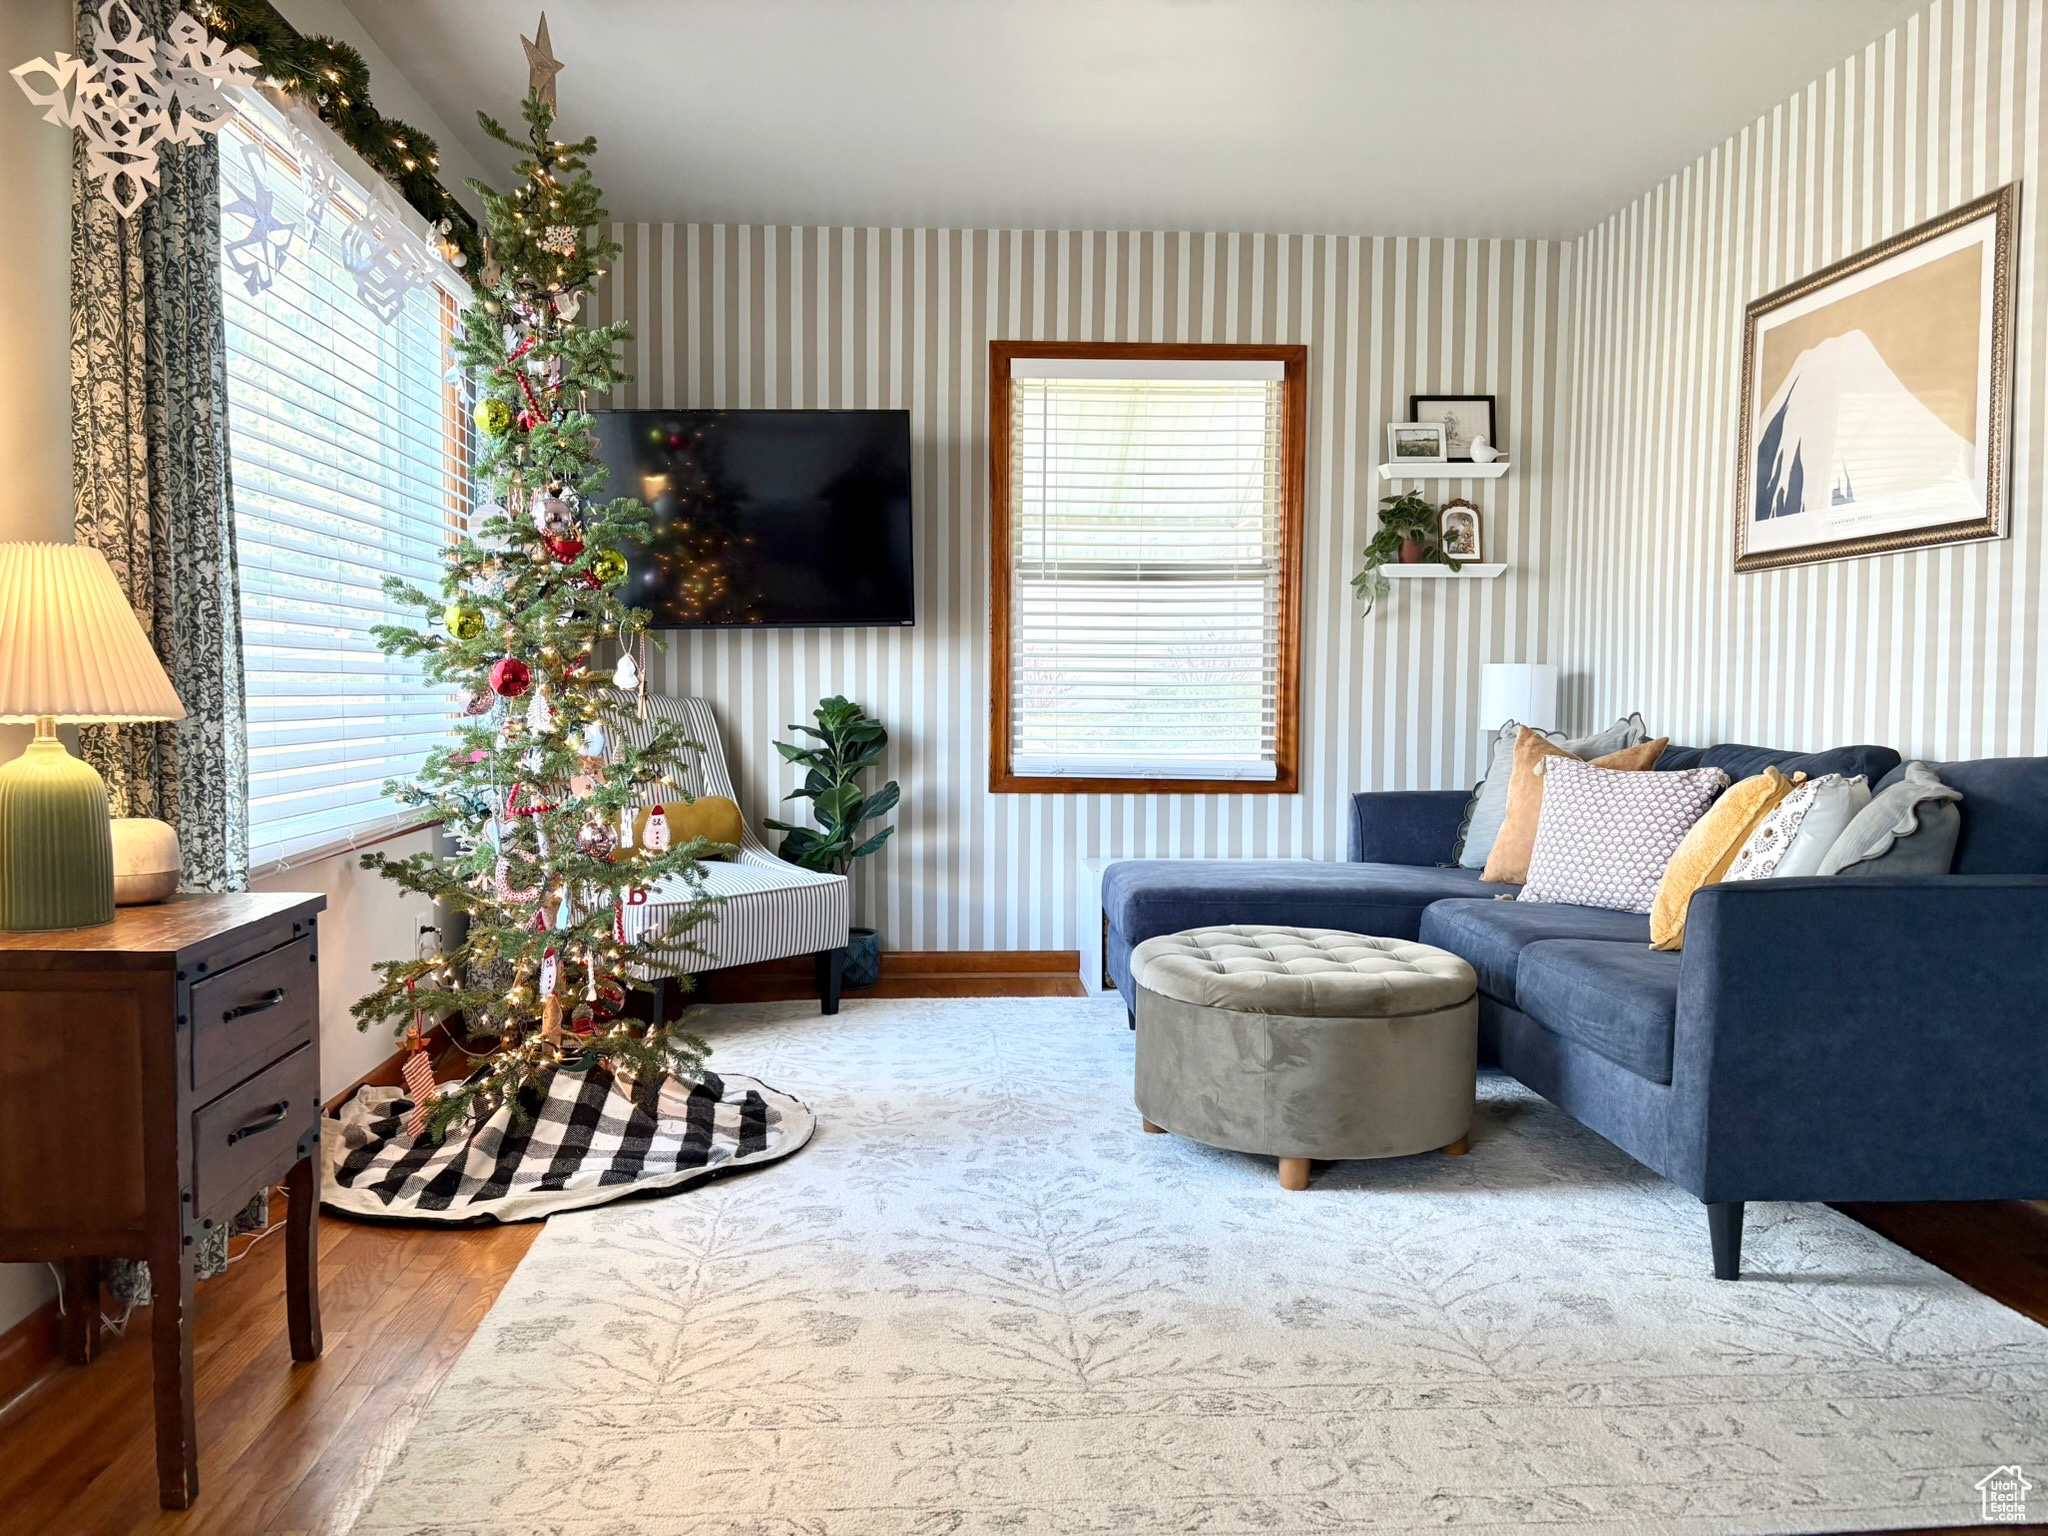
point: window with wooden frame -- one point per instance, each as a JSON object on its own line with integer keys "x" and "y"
{"x": 1146, "y": 585}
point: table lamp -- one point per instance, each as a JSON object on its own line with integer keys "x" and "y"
{"x": 70, "y": 649}
{"x": 1522, "y": 691}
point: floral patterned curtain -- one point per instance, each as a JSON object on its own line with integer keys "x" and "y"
{"x": 150, "y": 475}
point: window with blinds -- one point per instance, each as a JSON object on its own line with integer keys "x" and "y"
{"x": 351, "y": 456}
{"x": 1147, "y": 511}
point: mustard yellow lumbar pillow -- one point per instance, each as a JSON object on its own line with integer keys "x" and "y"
{"x": 711, "y": 817}
{"x": 1710, "y": 847}
{"x": 1509, "y": 860}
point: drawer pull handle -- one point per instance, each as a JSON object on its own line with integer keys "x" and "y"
{"x": 271, "y": 1116}
{"x": 269, "y": 999}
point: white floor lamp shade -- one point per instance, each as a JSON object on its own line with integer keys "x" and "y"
{"x": 1522, "y": 691}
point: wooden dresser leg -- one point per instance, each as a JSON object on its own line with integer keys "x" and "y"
{"x": 81, "y": 1310}
{"x": 302, "y": 1257}
{"x": 1294, "y": 1173}
{"x": 170, "y": 1335}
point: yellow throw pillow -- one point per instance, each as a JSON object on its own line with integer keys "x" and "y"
{"x": 1710, "y": 847}
{"x": 712, "y": 817}
{"x": 1509, "y": 860}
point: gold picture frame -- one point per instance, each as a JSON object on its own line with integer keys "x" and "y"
{"x": 1895, "y": 362}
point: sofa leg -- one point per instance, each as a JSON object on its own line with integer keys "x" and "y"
{"x": 1459, "y": 1147}
{"x": 831, "y": 970}
{"x": 1294, "y": 1173}
{"x": 1150, "y": 1128}
{"x": 1724, "y": 1227}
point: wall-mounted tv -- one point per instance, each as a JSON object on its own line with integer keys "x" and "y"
{"x": 765, "y": 518}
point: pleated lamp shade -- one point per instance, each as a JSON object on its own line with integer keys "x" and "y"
{"x": 70, "y": 646}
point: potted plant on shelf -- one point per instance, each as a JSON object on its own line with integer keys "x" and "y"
{"x": 848, "y": 741}
{"x": 1408, "y": 535}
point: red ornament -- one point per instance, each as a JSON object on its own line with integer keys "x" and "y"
{"x": 509, "y": 677}
{"x": 565, "y": 550}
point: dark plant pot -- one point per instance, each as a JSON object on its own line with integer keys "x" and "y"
{"x": 863, "y": 958}
{"x": 1413, "y": 551}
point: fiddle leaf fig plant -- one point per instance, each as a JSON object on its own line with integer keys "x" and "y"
{"x": 849, "y": 741}
{"x": 1410, "y": 516}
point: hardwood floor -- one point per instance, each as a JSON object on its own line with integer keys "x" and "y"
{"x": 282, "y": 1447}
{"x": 909, "y": 973}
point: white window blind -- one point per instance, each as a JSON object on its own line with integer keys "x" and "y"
{"x": 1145, "y": 569}
{"x": 351, "y": 463}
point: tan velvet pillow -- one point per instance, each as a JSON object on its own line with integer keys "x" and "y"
{"x": 1710, "y": 847}
{"x": 1509, "y": 861}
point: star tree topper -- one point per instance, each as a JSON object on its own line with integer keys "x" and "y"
{"x": 541, "y": 64}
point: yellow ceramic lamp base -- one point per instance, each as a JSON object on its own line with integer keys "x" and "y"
{"x": 56, "y": 843}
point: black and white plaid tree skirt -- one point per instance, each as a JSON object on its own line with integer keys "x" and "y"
{"x": 594, "y": 1137}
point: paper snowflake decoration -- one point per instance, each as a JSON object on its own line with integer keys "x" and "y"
{"x": 257, "y": 256}
{"x": 385, "y": 258}
{"x": 137, "y": 94}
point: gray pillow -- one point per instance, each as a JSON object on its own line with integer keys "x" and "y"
{"x": 1909, "y": 828}
{"x": 1488, "y": 807}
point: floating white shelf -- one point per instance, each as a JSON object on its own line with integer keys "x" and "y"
{"x": 1444, "y": 471}
{"x": 1432, "y": 572}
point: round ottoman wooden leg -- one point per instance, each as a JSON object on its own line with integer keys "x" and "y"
{"x": 1459, "y": 1147}
{"x": 1294, "y": 1173}
{"x": 1150, "y": 1128}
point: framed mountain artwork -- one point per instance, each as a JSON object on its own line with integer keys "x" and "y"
{"x": 1876, "y": 395}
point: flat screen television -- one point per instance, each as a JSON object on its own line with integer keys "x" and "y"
{"x": 766, "y": 518}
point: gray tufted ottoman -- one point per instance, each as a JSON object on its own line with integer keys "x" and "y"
{"x": 1303, "y": 1043}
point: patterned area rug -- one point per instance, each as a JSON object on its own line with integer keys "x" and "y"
{"x": 985, "y": 1302}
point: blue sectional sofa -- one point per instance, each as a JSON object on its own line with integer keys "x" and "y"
{"x": 1881, "y": 1038}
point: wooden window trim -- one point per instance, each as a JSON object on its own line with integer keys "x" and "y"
{"x": 1286, "y": 778}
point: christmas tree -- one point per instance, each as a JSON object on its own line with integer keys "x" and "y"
{"x": 538, "y": 784}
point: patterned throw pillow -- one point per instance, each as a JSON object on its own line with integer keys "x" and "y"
{"x": 1757, "y": 858}
{"x": 1606, "y": 836}
{"x": 1795, "y": 837}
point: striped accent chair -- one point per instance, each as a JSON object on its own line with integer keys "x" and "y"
{"x": 768, "y": 909}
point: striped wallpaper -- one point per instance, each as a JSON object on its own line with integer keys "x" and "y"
{"x": 752, "y": 316}
{"x": 1938, "y": 653}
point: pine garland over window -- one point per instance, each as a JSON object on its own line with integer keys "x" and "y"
{"x": 331, "y": 78}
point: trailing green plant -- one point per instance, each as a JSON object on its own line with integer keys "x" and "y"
{"x": 849, "y": 741}
{"x": 330, "y": 77}
{"x": 1408, "y": 516}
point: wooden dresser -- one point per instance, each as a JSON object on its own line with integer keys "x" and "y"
{"x": 155, "y": 1073}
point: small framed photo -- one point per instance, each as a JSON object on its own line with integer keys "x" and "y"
{"x": 1463, "y": 417}
{"x": 1457, "y": 529}
{"x": 1413, "y": 443}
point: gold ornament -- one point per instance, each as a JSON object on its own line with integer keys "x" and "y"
{"x": 494, "y": 417}
{"x": 608, "y": 566}
{"x": 463, "y": 621}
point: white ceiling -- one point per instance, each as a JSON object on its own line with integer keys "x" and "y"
{"x": 1440, "y": 117}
